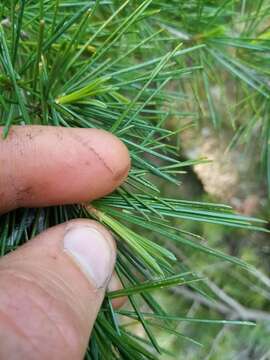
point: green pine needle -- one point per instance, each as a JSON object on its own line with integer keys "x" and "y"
{"x": 109, "y": 64}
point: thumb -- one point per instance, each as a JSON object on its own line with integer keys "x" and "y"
{"x": 52, "y": 289}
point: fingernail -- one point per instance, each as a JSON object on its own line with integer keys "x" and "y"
{"x": 92, "y": 252}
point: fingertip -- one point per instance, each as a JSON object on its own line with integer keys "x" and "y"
{"x": 114, "y": 153}
{"x": 45, "y": 165}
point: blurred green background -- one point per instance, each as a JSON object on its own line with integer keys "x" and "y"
{"x": 232, "y": 177}
{"x": 237, "y": 294}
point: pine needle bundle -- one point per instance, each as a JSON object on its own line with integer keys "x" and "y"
{"x": 106, "y": 64}
{"x": 233, "y": 50}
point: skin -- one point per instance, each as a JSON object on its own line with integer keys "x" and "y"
{"x": 47, "y": 306}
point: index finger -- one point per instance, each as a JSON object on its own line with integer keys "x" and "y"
{"x": 45, "y": 165}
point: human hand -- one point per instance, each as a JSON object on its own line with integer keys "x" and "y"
{"x": 53, "y": 286}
